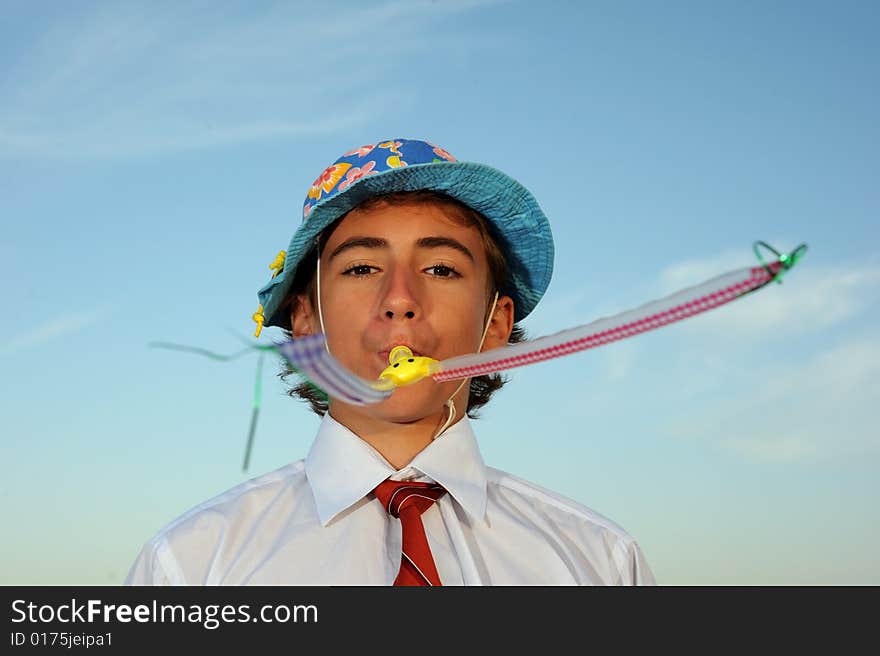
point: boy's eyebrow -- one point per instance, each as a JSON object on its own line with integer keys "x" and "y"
{"x": 424, "y": 242}
{"x": 449, "y": 242}
{"x": 355, "y": 242}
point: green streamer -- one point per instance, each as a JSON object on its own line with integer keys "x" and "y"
{"x": 258, "y": 385}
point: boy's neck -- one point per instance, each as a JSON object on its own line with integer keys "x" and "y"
{"x": 398, "y": 443}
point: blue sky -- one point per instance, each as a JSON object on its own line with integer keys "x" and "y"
{"x": 154, "y": 158}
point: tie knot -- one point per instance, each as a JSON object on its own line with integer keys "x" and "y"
{"x": 402, "y": 495}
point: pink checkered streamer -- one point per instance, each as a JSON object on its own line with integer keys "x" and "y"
{"x": 656, "y": 314}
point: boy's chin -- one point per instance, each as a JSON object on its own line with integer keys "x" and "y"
{"x": 410, "y": 405}
{"x": 421, "y": 401}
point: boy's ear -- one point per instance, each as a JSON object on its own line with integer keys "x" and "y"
{"x": 500, "y": 325}
{"x": 302, "y": 317}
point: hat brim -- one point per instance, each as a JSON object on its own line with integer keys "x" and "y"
{"x": 516, "y": 220}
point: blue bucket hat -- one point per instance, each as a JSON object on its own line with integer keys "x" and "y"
{"x": 515, "y": 219}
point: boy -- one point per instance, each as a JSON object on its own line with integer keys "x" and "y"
{"x": 400, "y": 245}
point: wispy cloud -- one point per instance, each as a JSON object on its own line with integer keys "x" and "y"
{"x": 54, "y": 328}
{"x": 824, "y": 408}
{"x": 129, "y": 80}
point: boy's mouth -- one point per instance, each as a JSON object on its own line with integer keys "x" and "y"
{"x": 383, "y": 354}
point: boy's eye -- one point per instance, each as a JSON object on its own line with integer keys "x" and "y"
{"x": 443, "y": 271}
{"x": 358, "y": 270}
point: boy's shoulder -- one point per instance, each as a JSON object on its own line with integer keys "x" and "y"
{"x": 597, "y": 547}
{"x": 556, "y": 507}
{"x": 223, "y": 519}
{"x": 251, "y": 497}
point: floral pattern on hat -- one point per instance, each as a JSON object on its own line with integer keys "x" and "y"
{"x": 392, "y": 146}
{"x": 356, "y": 173}
{"x": 369, "y": 160}
{"x": 328, "y": 179}
{"x": 363, "y": 151}
{"x": 440, "y": 152}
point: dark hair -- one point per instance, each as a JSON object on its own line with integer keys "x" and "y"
{"x": 481, "y": 387}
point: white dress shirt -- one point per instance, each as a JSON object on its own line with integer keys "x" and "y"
{"x": 315, "y": 522}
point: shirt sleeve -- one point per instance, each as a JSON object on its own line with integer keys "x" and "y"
{"x": 640, "y": 573}
{"x": 147, "y": 568}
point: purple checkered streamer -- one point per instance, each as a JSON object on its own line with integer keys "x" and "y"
{"x": 309, "y": 356}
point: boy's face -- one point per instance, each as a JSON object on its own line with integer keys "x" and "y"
{"x": 404, "y": 274}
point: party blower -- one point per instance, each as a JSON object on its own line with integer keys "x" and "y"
{"x": 309, "y": 355}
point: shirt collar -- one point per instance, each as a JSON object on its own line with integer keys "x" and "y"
{"x": 342, "y": 468}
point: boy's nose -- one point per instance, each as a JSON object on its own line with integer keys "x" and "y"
{"x": 409, "y": 314}
{"x": 400, "y": 297}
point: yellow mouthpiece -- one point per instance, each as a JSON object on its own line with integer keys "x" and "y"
{"x": 404, "y": 368}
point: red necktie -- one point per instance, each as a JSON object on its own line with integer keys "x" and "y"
{"x": 408, "y": 500}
